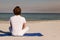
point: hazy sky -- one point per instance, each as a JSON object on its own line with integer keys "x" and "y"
{"x": 31, "y": 5}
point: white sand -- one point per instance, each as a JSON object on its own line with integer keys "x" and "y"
{"x": 50, "y": 29}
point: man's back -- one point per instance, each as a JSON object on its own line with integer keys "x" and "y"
{"x": 17, "y": 24}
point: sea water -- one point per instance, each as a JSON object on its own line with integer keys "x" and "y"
{"x": 32, "y": 16}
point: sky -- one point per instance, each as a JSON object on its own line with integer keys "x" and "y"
{"x": 31, "y": 6}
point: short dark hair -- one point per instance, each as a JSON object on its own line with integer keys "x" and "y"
{"x": 17, "y": 10}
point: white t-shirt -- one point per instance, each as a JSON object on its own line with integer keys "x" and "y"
{"x": 17, "y": 24}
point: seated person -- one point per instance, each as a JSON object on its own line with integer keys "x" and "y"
{"x": 18, "y": 23}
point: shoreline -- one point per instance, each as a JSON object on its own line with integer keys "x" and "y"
{"x": 34, "y": 20}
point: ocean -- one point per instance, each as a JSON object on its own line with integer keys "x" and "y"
{"x": 32, "y": 16}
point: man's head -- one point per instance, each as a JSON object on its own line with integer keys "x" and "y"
{"x": 17, "y": 10}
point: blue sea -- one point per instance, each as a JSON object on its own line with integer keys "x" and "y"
{"x": 32, "y": 16}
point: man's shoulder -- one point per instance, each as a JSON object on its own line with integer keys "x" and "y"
{"x": 23, "y": 17}
{"x": 12, "y": 17}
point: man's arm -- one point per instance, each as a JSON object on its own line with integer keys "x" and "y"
{"x": 24, "y": 25}
{"x": 10, "y": 24}
{"x": 10, "y": 28}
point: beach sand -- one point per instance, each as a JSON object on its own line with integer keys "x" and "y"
{"x": 50, "y": 29}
